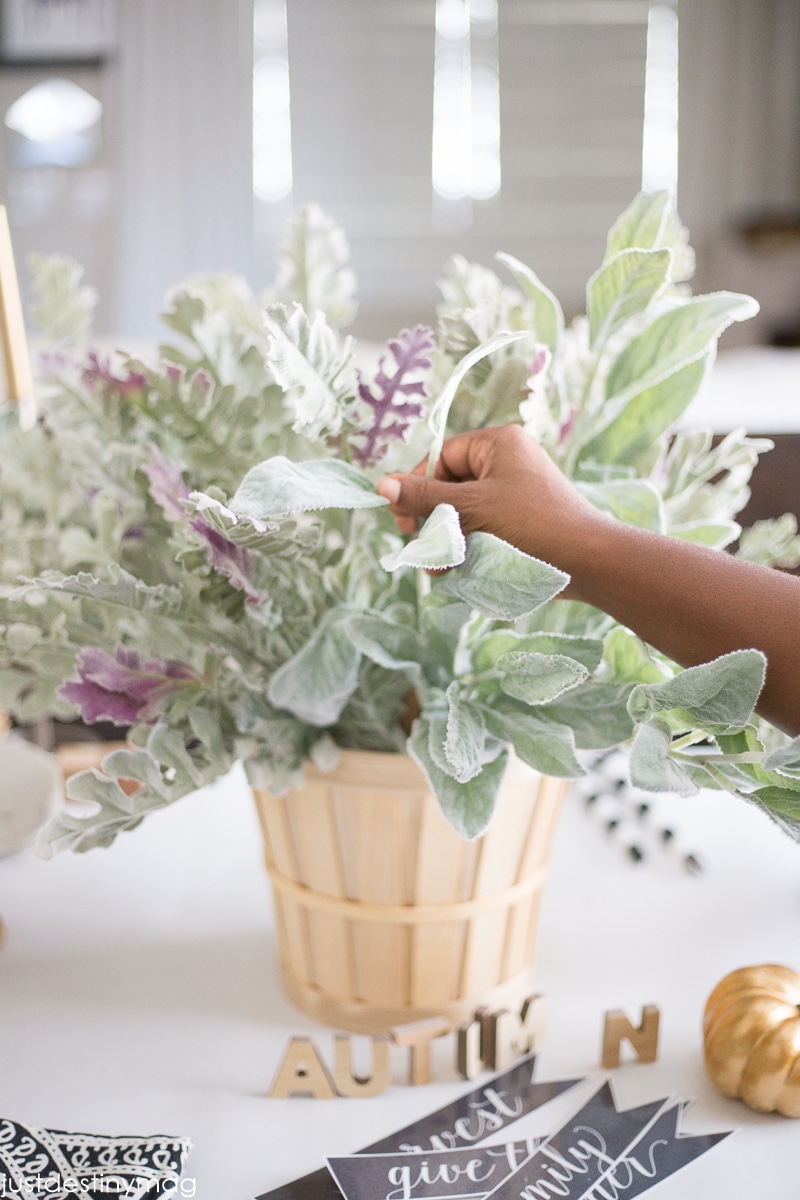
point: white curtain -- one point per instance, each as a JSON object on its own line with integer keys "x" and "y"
{"x": 184, "y": 113}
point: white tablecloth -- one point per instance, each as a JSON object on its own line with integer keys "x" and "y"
{"x": 139, "y": 992}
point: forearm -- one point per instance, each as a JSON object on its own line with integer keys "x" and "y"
{"x": 694, "y": 604}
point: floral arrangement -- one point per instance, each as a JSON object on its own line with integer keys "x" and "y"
{"x": 195, "y": 550}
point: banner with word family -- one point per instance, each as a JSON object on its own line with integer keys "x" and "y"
{"x": 599, "y": 1153}
{"x": 465, "y": 1122}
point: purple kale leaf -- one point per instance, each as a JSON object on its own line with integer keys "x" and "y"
{"x": 124, "y": 689}
{"x": 390, "y": 413}
{"x": 168, "y": 490}
{"x": 99, "y": 371}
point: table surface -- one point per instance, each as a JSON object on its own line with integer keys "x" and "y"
{"x": 139, "y": 992}
{"x": 756, "y": 388}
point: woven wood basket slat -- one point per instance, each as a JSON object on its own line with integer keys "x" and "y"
{"x": 387, "y": 916}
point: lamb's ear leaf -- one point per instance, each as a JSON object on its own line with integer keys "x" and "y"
{"x": 439, "y": 543}
{"x": 596, "y": 712}
{"x": 278, "y": 487}
{"x": 387, "y": 643}
{"x": 633, "y": 501}
{"x": 548, "y": 318}
{"x": 647, "y": 415}
{"x": 783, "y": 806}
{"x": 680, "y": 336}
{"x": 437, "y": 417}
{"x": 318, "y": 681}
{"x": 543, "y": 745}
{"x": 624, "y": 286}
{"x": 785, "y": 759}
{"x": 465, "y": 735}
{"x": 500, "y": 581}
{"x": 538, "y": 678}
{"x": 468, "y": 807}
{"x": 588, "y": 651}
{"x": 642, "y": 223}
{"x": 651, "y": 767}
{"x": 718, "y": 695}
{"x": 714, "y": 534}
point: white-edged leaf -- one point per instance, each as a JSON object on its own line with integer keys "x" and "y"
{"x": 596, "y": 712}
{"x": 548, "y": 318}
{"x": 543, "y": 745}
{"x": 439, "y": 543}
{"x": 279, "y": 487}
{"x": 538, "y": 678}
{"x": 318, "y": 681}
{"x": 465, "y": 736}
{"x": 646, "y": 416}
{"x": 633, "y": 501}
{"x": 499, "y": 580}
{"x": 312, "y": 266}
{"x": 721, "y": 693}
{"x": 314, "y": 366}
{"x": 588, "y": 651}
{"x": 119, "y": 588}
{"x": 396, "y": 647}
{"x": 623, "y": 287}
{"x": 651, "y": 767}
{"x": 785, "y": 759}
{"x": 642, "y": 224}
{"x": 468, "y": 807}
{"x": 678, "y": 337}
{"x": 715, "y": 534}
{"x": 437, "y": 417}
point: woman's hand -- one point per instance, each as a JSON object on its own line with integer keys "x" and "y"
{"x": 692, "y": 603}
{"x": 502, "y": 482}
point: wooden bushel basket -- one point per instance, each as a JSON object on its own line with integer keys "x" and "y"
{"x": 384, "y": 914}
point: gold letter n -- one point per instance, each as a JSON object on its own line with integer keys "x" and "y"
{"x": 644, "y": 1039}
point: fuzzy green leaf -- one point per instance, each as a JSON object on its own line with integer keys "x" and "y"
{"x": 588, "y": 651}
{"x": 312, "y": 266}
{"x": 628, "y": 658}
{"x": 279, "y": 487}
{"x": 317, "y": 682}
{"x": 547, "y": 319}
{"x": 596, "y": 712}
{"x": 783, "y": 806}
{"x": 315, "y": 368}
{"x": 646, "y": 416}
{"x": 676, "y": 338}
{"x": 633, "y": 501}
{"x": 465, "y": 735}
{"x": 396, "y": 647}
{"x": 437, "y": 417}
{"x": 120, "y": 588}
{"x": 468, "y": 807}
{"x": 543, "y": 745}
{"x": 642, "y": 224}
{"x": 718, "y": 695}
{"x": 651, "y": 767}
{"x": 623, "y": 287}
{"x": 538, "y": 678}
{"x": 439, "y": 543}
{"x": 499, "y": 580}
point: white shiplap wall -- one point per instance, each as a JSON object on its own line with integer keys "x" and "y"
{"x": 572, "y": 96}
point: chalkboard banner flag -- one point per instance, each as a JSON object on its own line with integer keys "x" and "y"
{"x": 465, "y": 1122}
{"x": 598, "y": 1153}
{"x": 440, "y": 1175}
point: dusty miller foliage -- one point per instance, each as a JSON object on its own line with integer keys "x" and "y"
{"x": 196, "y": 549}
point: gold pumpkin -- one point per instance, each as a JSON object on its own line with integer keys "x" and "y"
{"x": 751, "y": 1038}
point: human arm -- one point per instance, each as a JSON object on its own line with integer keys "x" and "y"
{"x": 691, "y": 603}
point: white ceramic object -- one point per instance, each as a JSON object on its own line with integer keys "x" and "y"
{"x": 31, "y": 789}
